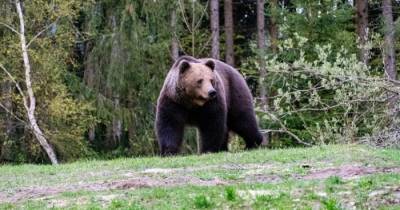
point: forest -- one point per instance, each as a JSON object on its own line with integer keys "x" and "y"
{"x": 79, "y": 79}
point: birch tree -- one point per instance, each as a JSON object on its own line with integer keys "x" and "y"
{"x": 29, "y": 100}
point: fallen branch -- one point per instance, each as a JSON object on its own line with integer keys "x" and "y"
{"x": 284, "y": 129}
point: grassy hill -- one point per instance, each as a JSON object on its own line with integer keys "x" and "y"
{"x": 328, "y": 177}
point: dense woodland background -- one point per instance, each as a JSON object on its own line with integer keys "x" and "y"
{"x": 321, "y": 71}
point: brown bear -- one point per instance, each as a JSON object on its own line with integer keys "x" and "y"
{"x": 210, "y": 95}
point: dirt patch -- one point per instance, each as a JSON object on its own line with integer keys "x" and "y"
{"x": 230, "y": 166}
{"x": 348, "y": 172}
{"x": 134, "y": 183}
{"x": 165, "y": 182}
{"x": 257, "y": 173}
{"x": 386, "y": 196}
{"x": 262, "y": 178}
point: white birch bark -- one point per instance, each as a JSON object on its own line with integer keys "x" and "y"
{"x": 30, "y": 108}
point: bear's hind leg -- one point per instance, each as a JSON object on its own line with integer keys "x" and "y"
{"x": 246, "y": 127}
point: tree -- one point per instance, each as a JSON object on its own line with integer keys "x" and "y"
{"x": 117, "y": 53}
{"x": 214, "y": 8}
{"x": 31, "y": 107}
{"x": 139, "y": 48}
{"x": 44, "y": 102}
{"x": 229, "y": 54}
{"x": 89, "y": 80}
{"x": 174, "y": 42}
{"x": 273, "y": 25}
{"x": 261, "y": 49}
{"x": 362, "y": 28}
{"x": 388, "y": 48}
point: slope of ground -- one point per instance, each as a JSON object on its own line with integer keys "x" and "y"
{"x": 328, "y": 177}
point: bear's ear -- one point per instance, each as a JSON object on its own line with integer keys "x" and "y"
{"x": 183, "y": 67}
{"x": 210, "y": 64}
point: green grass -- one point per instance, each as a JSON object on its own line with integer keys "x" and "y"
{"x": 258, "y": 179}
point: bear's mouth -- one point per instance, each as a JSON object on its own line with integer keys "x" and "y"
{"x": 200, "y": 101}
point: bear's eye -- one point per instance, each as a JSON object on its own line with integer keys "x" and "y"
{"x": 199, "y": 81}
{"x": 212, "y": 81}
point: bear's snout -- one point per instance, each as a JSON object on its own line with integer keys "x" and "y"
{"x": 212, "y": 93}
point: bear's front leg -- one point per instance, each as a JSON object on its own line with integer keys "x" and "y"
{"x": 169, "y": 130}
{"x": 214, "y": 134}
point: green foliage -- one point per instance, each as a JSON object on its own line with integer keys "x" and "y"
{"x": 134, "y": 58}
{"x": 64, "y": 118}
{"x": 202, "y": 202}
{"x": 99, "y": 65}
{"x": 322, "y": 22}
{"x": 332, "y": 99}
{"x": 366, "y": 183}
{"x": 331, "y": 204}
{"x": 332, "y": 182}
{"x": 230, "y": 193}
{"x": 282, "y": 201}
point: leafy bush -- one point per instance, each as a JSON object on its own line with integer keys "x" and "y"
{"x": 331, "y": 99}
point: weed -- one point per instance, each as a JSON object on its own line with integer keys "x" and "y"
{"x": 230, "y": 193}
{"x": 202, "y": 202}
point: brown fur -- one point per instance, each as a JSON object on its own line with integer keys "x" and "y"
{"x": 184, "y": 100}
{"x": 198, "y": 81}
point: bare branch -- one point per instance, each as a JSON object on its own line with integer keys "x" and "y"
{"x": 11, "y": 113}
{"x": 9, "y": 27}
{"x": 202, "y": 15}
{"x": 41, "y": 32}
{"x": 182, "y": 10}
{"x": 284, "y": 129}
{"x": 16, "y": 85}
{"x": 287, "y": 132}
{"x": 205, "y": 45}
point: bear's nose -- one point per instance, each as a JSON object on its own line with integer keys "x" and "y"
{"x": 212, "y": 93}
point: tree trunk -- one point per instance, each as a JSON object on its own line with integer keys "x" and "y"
{"x": 132, "y": 125}
{"x": 362, "y": 28}
{"x": 389, "y": 53}
{"x": 261, "y": 48}
{"x": 273, "y": 26}
{"x": 174, "y": 42}
{"x": 32, "y": 100}
{"x": 89, "y": 79}
{"x": 229, "y": 54}
{"x": 214, "y": 7}
{"x": 116, "y": 55}
{"x": 117, "y": 123}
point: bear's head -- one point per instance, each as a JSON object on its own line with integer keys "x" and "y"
{"x": 197, "y": 81}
